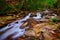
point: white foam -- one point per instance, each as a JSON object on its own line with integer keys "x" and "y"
{"x": 20, "y": 33}
{"x": 46, "y": 11}
{"x": 38, "y": 16}
{"x": 54, "y": 14}
{"x": 15, "y": 28}
{"x": 13, "y": 23}
{"x": 27, "y": 17}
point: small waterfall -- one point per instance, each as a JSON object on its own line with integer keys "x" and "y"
{"x": 15, "y": 27}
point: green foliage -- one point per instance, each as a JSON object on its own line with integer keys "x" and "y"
{"x": 19, "y": 6}
{"x": 57, "y": 4}
{"x": 9, "y": 8}
{"x": 2, "y": 5}
{"x": 27, "y": 5}
{"x": 38, "y": 4}
{"x": 53, "y": 20}
{"x": 5, "y": 9}
{"x": 50, "y": 3}
{"x": 33, "y": 4}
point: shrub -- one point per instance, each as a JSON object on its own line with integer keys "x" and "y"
{"x": 38, "y": 4}
{"x": 16, "y": 5}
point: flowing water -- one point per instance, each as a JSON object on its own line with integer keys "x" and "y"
{"x": 14, "y": 27}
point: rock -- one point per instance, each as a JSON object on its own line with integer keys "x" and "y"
{"x": 58, "y": 12}
{"x": 30, "y": 33}
{"x": 47, "y": 25}
{"x": 44, "y": 20}
{"x": 24, "y": 25}
{"x": 32, "y": 22}
{"x": 4, "y": 20}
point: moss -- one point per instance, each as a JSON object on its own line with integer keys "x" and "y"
{"x": 53, "y": 20}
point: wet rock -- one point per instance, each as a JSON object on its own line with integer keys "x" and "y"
{"x": 24, "y": 25}
{"x": 58, "y": 12}
{"x": 47, "y": 25}
{"x": 32, "y": 22}
{"x": 44, "y": 20}
{"x": 30, "y": 33}
{"x": 6, "y": 20}
{"x": 2, "y": 24}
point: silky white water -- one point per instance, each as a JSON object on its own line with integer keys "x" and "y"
{"x": 15, "y": 27}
